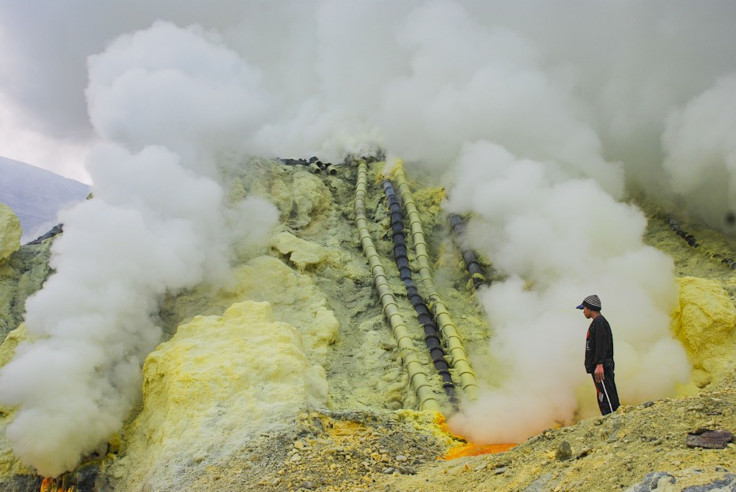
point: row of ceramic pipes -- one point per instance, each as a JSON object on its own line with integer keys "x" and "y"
{"x": 314, "y": 165}
{"x": 431, "y": 332}
{"x": 690, "y": 239}
{"x": 469, "y": 257}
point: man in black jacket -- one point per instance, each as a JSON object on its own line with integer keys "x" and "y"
{"x": 599, "y": 355}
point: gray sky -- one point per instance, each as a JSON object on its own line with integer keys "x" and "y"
{"x": 627, "y": 65}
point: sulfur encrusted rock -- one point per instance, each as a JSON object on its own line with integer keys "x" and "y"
{"x": 21, "y": 276}
{"x": 300, "y": 252}
{"x": 243, "y": 361}
{"x": 9, "y": 463}
{"x": 10, "y": 232}
{"x": 217, "y": 383}
{"x": 293, "y": 296}
{"x": 704, "y": 323}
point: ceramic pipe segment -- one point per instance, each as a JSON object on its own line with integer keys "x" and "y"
{"x": 453, "y": 342}
{"x": 415, "y": 368}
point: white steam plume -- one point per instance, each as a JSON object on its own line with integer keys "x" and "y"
{"x": 78, "y": 381}
{"x": 156, "y": 224}
{"x": 560, "y": 239}
{"x": 704, "y": 132}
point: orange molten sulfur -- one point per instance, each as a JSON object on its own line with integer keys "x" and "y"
{"x": 470, "y": 449}
{"x": 46, "y": 485}
{"x": 49, "y": 485}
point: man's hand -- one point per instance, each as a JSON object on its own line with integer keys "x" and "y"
{"x": 598, "y": 373}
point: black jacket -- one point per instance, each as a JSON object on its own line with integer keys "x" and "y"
{"x": 599, "y": 345}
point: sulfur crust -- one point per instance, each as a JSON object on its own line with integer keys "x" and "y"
{"x": 11, "y": 233}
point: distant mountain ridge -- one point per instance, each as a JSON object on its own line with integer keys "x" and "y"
{"x": 36, "y": 195}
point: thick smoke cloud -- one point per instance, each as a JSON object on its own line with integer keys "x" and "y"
{"x": 538, "y": 115}
{"x": 703, "y": 131}
{"x": 469, "y": 82}
{"x": 80, "y": 379}
{"x": 195, "y": 96}
{"x": 157, "y": 224}
{"x": 560, "y": 239}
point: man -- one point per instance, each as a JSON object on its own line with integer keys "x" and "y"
{"x": 599, "y": 355}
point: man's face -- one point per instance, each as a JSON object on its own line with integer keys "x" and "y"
{"x": 586, "y": 312}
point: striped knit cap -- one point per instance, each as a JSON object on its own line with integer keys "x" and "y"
{"x": 591, "y": 302}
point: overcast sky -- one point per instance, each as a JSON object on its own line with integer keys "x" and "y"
{"x": 628, "y": 65}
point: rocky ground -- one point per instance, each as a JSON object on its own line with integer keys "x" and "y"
{"x": 638, "y": 448}
{"x": 615, "y": 452}
{"x": 367, "y": 440}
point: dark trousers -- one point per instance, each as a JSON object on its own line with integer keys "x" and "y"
{"x": 606, "y": 393}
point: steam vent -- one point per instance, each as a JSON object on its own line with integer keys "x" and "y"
{"x": 348, "y": 346}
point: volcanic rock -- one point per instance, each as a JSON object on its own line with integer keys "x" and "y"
{"x": 10, "y": 232}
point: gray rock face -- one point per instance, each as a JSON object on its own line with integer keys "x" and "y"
{"x": 727, "y": 483}
{"x": 653, "y": 481}
{"x": 22, "y": 275}
{"x": 664, "y": 481}
{"x": 710, "y": 439}
{"x": 36, "y": 195}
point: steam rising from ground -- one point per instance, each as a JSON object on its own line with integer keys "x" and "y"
{"x": 77, "y": 383}
{"x": 540, "y": 116}
{"x": 560, "y": 239}
{"x": 704, "y": 132}
{"x": 157, "y": 224}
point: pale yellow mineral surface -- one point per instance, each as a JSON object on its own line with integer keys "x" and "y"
{"x": 704, "y": 324}
{"x": 12, "y": 339}
{"x": 300, "y": 252}
{"x": 294, "y": 297}
{"x": 10, "y": 232}
{"x": 222, "y": 376}
{"x": 9, "y": 463}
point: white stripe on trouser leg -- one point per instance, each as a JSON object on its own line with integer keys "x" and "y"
{"x": 607, "y": 398}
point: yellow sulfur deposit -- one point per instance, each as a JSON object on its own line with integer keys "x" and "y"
{"x": 306, "y": 199}
{"x": 432, "y": 423}
{"x": 12, "y": 339}
{"x": 429, "y": 201}
{"x": 293, "y": 297}
{"x": 220, "y": 377}
{"x": 10, "y": 232}
{"x": 9, "y": 463}
{"x": 704, "y": 323}
{"x": 302, "y": 253}
{"x": 242, "y": 367}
